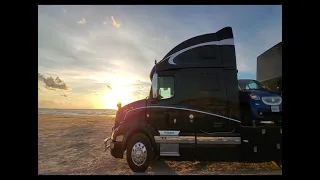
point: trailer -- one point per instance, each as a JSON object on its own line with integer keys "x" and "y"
{"x": 269, "y": 67}
{"x": 192, "y": 112}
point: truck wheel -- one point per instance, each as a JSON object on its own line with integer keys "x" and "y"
{"x": 139, "y": 153}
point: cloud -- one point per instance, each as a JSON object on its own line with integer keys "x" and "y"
{"x": 46, "y": 103}
{"x": 82, "y": 21}
{"x": 56, "y": 83}
{"x": 91, "y": 57}
{"x": 140, "y": 89}
{"x": 77, "y": 104}
{"x": 115, "y": 22}
{"x": 64, "y": 95}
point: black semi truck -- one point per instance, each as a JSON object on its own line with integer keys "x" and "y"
{"x": 192, "y": 112}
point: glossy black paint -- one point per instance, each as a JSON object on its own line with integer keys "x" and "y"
{"x": 191, "y": 93}
{"x": 123, "y": 111}
{"x": 117, "y": 150}
{"x": 205, "y": 86}
{"x": 204, "y": 56}
{"x": 205, "y": 79}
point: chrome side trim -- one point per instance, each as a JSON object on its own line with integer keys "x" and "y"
{"x": 169, "y": 154}
{"x": 200, "y": 140}
{"x": 175, "y": 139}
{"x": 180, "y": 108}
{"x": 106, "y": 144}
{"x": 219, "y": 140}
{"x": 169, "y": 150}
{"x": 217, "y": 132}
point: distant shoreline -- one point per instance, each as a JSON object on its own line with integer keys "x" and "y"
{"x": 77, "y": 112}
{"x": 67, "y": 115}
{"x": 78, "y": 109}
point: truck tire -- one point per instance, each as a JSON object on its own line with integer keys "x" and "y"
{"x": 139, "y": 153}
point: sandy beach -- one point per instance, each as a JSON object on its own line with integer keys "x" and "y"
{"x": 74, "y": 145}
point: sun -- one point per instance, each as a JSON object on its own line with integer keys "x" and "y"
{"x": 112, "y": 97}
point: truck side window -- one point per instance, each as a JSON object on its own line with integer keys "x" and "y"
{"x": 166, "y": 87}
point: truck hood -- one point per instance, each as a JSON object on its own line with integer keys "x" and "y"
{"x": 121, "y": 113}
{"x": 135, "y": 104}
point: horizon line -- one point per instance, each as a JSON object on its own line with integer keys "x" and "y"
{"x": 78, "y": 108}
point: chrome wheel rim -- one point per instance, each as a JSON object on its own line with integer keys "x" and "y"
{"x": 139, "y": 153}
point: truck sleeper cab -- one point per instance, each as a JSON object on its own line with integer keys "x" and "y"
{"x": 192, "y": 112}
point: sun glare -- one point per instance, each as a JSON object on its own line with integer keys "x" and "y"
{"x": 112, "y": 97}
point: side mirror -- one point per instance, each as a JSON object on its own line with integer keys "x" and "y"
{"x": 155, "y": 85}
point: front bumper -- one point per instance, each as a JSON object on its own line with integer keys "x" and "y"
{"x": 265, "y": 115}
{"x": 116, "y": 147}
{"x": 107, "y": 143}
{"x": 262, "y": 114}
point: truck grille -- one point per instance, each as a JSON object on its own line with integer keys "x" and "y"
{"x": 273, "y": 101}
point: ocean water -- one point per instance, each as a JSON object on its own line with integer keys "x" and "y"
{"x": 77, "y": 112}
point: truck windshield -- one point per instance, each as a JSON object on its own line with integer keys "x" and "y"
{"x": 252, "y": 85}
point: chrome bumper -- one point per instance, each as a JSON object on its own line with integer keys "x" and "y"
{"x": 107, "y": 143}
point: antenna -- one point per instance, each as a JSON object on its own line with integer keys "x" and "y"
{"x": 156, "y": 46}
{"x": 155, "y": 58}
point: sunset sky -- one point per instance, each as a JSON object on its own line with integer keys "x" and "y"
{"x": 94, "y": 56}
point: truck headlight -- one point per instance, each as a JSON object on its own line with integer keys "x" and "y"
{"x": 254, "y": 97}
{"x": 113, "y": 133}
{"x": 116, "y": 137}
{"x": 119, "y": 138}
